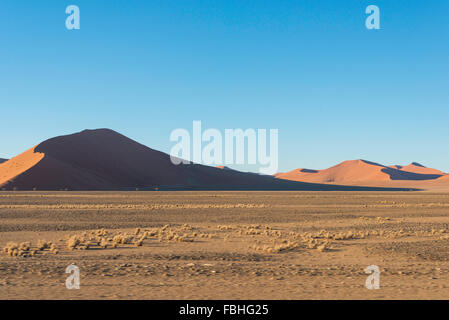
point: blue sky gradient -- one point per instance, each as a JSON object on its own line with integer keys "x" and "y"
{"x": 334, "y": 89}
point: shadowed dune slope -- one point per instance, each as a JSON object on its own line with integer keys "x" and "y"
{"x": 106, "y": 160}
{"x": 3, "y": 160}
{"x": 357, "y": 171}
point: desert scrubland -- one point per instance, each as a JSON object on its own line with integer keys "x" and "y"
{"x": 224, "y": 245}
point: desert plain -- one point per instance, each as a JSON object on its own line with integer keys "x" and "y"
{"x": 224, "y": 245}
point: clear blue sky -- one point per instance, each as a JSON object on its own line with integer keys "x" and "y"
{"x": 334, "y": 89}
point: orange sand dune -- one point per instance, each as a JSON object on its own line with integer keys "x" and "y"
{"x": 366, "y": 173}
{"x": 418, "y": 168}
{"x": 354, "y": 172}
{"x": 106, "y": 160}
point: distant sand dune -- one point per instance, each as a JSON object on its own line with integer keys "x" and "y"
{"x": 366, "y": 173}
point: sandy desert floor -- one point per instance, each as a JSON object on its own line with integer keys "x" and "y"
{"x": 224, "y": 245}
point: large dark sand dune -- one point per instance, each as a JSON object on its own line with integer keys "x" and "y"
{"x": 106, "y": 160}
{"x": 3, "y": 160}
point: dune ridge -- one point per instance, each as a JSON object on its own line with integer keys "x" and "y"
{"x": 418, "y": 168}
